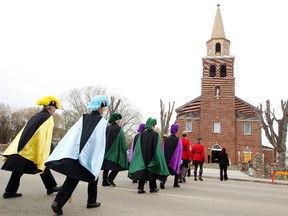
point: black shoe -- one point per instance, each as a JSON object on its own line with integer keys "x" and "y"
{"x": 176, "y": 185}
{"x": 140, "y": 191}
{"x": 93, "y": 205}
{"x": 56, "y": 208}
{"x": 52, "y": 190}
{"x": 162, "y": 185}
{"x": 111, "y": 182}
{"x": 105, "y": 183}
{"x": 154, "y": 190}
{"x": 184, "y": 180}
{"x": 11, "y": 195}
{"x": 180, "y": 181}
{"x": 134, "y": 181}
{"x": 195, "y": 179}
{"x": 200, "y": 178}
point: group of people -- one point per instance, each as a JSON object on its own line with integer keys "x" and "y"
{"x": 92, "y": 144}
{"x": 188, "y": 155}
{"x": 89, "y": 146}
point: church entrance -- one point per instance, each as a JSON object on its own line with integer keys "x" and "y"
{"x": 216, "y": 149}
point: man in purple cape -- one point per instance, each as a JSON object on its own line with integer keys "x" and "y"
{"x": 140, "y": 129}
{"x": 173, "y": 154}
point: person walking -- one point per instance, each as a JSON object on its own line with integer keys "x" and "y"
{"x": 223, "y": 164}
{"x": 140, "y": 129}
{"x": 115, "y": 158}
{"x": 30, "y": 149}
{"x": 164, "y": 137}
{"x": 79, "y": 155}
{"x": 198, "y": 158}
{"x": 250, "y": 168}
{"x": 173, "y": 155}
{"x": 186, "y": 157}
{"x": 148, "y": 162}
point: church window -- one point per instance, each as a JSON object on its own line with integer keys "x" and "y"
{"x": 223, "y": 71}
{"x": 189, "y": 126}
{"x": 217, "y": 91}
{"x": 247, "y": 129}
{"x": 218, "y": 48}
{"x": 217, "y": 127}
{"x": 212, "y": 71}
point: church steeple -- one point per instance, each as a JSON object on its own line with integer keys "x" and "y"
{"x": 218, "y": 28}
{"x": 218, "y": 45}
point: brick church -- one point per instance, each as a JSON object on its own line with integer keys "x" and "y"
{"x": 219, "y": 117}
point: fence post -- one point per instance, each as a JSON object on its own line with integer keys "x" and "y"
{"x": 272, "y": 175}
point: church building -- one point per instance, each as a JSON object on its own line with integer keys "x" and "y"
{"x": 219, "y": 117}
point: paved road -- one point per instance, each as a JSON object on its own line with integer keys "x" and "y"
{"x": 210, "y": 197}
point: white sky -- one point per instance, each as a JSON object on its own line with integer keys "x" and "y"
{"x": 143, "y": 50}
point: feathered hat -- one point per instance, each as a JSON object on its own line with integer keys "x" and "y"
{"x": 150, "y": 123}
{"x": 174, "y": 128}
{"x": 98, "y": 101}
{"x": 141, "y": 127}
{"x": 49, "y": 101}
{"x": 114, "y": 117}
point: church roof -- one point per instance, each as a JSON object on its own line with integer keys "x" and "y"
{"x": 243, "y": 110}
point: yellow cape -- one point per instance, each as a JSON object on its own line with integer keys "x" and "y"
{"x": 37, "y": 149}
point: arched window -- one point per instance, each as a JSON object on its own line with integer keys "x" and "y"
{"x": 223, "y": 71}
{"x": 216, "y": 147}
{"x": 218, "y": 48}
{"x": 212, "y": 71}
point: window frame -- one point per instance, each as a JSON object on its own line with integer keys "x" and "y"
{"x": 217, "y": 127}
{"x": 245, "y": 129}
{"x": 189, "y": 126}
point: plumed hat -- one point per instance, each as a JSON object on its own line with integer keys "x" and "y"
{"x": 114, "y": 117}
{"x": 98, "y": 101}
{"x": 174, "y": 128}
{"x": 150, "y": 123}
{"x": 49, "y": 101}
{"x": 141, "y": 127}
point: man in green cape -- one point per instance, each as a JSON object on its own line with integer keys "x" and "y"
{"x": 148, "y": 162}
{"x": 115, "y": 159}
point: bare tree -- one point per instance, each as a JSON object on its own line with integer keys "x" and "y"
{"x": 277, "y": 139}
{"x": 5, "y": 123}
{"x": 20, "y": 117}
{"x": 165, "y": 117}
{"x": 13, "y": 120}
{"x": 74, "y": 103}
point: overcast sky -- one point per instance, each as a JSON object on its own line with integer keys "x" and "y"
{"x": 143, "y": 50}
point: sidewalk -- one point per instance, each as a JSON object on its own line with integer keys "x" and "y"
{"x": 238, "y": 175}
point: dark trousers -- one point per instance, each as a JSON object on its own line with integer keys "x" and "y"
{"x": 223, "y": 169}
{"x": 68, "y": 188}
{"x": 152, "y": 185}
{"x": 176, "y": 179}
{"x": 196, "y": 164}
{"x": 14, "y": 181}
{"x": 112, "y": 175}
{"x": 184, "y": 168}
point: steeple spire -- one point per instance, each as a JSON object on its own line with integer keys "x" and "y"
{"x": 218, "y": 28}
{"x": 218, "y": 45}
